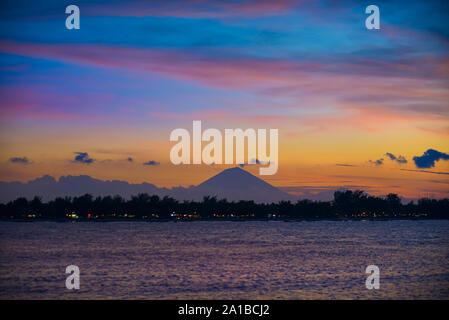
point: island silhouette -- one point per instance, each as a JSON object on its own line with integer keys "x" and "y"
{"x": 233, "y": 184}
{"x": 232, "y": 194}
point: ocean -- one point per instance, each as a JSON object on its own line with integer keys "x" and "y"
{"x": 225, "y": 259}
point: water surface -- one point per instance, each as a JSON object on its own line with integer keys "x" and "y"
{"x": 225, "y": 259}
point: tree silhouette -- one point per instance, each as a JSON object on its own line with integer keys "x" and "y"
{"x": 346, "y": 204}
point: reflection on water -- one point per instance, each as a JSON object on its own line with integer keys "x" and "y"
{"x": 225, "y": 260}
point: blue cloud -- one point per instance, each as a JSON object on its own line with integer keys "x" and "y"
{"x": 377, "y": 162}
{"x": 398, "y": 159}
{"x": 83, "y": 157}
{"x": 428, "y": 159}
{"x": 23, "y": 160}
{"x": 151, "y": 163}
{"x": 130, "y": 159}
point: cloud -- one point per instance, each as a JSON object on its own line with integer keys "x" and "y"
{"x": 222, "y": 71}
{"x": 427, "y": 160}
{"x": 23, "y": 160}
{"x": 83, "y": 157}
{"x": 377, "y": 162}
{"x": 318, "y": 78}
{"x": 130, "y": 159}
{"x": 151, "y": 163}
{"x": 390, "y": 155}
{"x": 398, "y": 159}
{"x": 345, "y": 165}
{"x": 401, "y": 159}
{"x": 257, "y": 161}
{"x": 426, "y": 171}
{"x": 254, "y": 162}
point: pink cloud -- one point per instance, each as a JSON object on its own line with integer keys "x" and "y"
{"x": 349, "y": 89}
{"x": 41, "y": 102}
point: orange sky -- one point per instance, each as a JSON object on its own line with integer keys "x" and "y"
{"x": 340, "y": 95}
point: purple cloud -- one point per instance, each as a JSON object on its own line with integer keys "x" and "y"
{"x": 377, "y": 162}
{"x": 151, "y": 163}
{"x": 19, "y": 160}
{"x": 83, "y": 157}
{"x": 398, "y": 159}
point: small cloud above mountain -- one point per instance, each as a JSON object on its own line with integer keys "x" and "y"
{"x": 254, "y": 162}
{"x": 83, "y": 157}
{"x": 151, "y": 163}
{"x": 19, "y": 160}
{"x": 428, "y": 159}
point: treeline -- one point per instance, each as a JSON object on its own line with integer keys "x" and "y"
{"x": 346, "y": 204}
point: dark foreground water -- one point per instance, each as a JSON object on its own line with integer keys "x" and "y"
{"x": 225, "y": 260}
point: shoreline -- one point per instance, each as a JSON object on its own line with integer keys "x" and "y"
{"x": 218, "y": 220}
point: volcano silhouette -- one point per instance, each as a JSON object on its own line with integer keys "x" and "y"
{"x": 232, "y": 184}
{"x": 237, "y": 184}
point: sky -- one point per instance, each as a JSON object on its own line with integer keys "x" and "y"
{"x": 355, "y": 108}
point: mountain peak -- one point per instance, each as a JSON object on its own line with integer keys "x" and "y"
{"x": 235, "y": 171}
{"x": 238, "y": 184}
{"x": 233, "y": 184}
{"x": 232, "y": 178}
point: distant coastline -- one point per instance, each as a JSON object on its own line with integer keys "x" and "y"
{"x": 350, "y": 205}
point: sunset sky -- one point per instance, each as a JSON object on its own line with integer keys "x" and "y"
{"x": 353, "y": 106}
